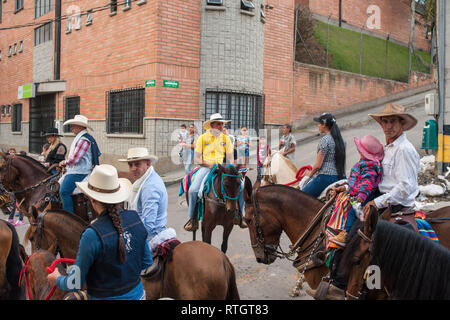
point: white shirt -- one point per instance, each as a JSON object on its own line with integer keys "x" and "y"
{"x": 401, "y": 165}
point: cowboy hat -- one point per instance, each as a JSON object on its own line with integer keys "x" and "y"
{"x": 216, "y": 117}
{"x": 393, "y": 109}
{"x": 79, "y": 120}
{"x": 135, "y": 154}
{"x": 105, "y": 186}
{"x": 370, "y": 147}
{"x": 51, "y": 132}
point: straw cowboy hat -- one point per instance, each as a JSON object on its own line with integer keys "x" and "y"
{"x": 370, "y": 147}
{"x": 51, "y": 132}
{"x": 135, "y": 154}
{"x": 105, "y": 186}
{"x": 79, "y": 120}
{"x": 216, "y": 117}
{"x": 393, "y": 109}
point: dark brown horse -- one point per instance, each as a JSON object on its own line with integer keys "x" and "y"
{"x": 196, "y": 270}
{"x": 281, "y": 208}
{"x": 10, "y": 263}
{"x": 34, "y": 276}
{"x": 409, "y": 265}
{"x": 220, "y": 204}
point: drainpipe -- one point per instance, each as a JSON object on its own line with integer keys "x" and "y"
{"x": 441, "y": 154}
{"x": 57, "y": 47}
{"x": 340, "y": 13}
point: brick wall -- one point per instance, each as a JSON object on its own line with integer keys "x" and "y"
{"x": 278, "y": 61}
{"x": 320, "y": 90}
{"x": 394, "y": 17}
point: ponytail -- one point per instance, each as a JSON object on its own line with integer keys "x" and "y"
{"x": 339, "y": 150}
{"x": 113, "y": 212}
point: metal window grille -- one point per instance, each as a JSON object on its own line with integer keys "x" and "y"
{"x": 243, "y": 109}
{"x": 43, "y": 33}
{"x": 113, "y": 5}
{"x": 126, "y": 110}
{"x": 16, "y": 123}
{"x": 71, "y": 109}
{"x": 214, "y": 2}
{"x": 18, "y": 5}
{"x": 42, "y": 7}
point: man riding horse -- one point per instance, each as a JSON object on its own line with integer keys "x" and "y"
{"x": 149, "y": 195}
{"x": 210, "y": 149}
{"x": 83, "y": 156}
{"x": 398, "y": 187}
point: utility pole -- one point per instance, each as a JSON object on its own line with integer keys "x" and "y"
{"x": 443, "y": 154}
{"x": 411, "y": 36}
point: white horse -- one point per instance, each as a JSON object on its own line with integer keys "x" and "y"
{"x": 279, "y": 169}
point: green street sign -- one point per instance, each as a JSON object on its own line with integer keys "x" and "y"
{"x": 26, "y": 91}
{"x": 150, "y": 83}
{"x": 171, "y": 84}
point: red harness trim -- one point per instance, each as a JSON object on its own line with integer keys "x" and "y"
{"x": 48, "y": 269}
{"x": 299, "y": 175}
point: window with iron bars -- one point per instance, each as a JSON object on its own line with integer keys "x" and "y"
{"x": 243, "y": 109}
{"x": 16, "y": 121}
{"x": 71, "y": 109}
{"x": 125, "y": 110}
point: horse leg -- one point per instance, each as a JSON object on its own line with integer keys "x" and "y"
{"x": 5, "y": 241}
{"x": 226, "y": 234}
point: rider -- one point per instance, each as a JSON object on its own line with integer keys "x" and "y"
{"x": 112, "y": 250}
{"x": 149, "y": 195}
{"x": 83, "y": 156}
{"x": 57, "y": 150}
{"x": 398, "y": 187}
{"x": 211, "y": 148}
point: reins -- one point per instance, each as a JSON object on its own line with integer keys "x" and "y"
{"x": 299, "y": 175}
{"x": 48, "y": 269}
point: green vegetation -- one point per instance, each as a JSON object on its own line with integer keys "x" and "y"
{"x": 344, "y": 49}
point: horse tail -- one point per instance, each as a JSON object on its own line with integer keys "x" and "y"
{"x": 14, "y": 266}
{"x": 232, "y": 293}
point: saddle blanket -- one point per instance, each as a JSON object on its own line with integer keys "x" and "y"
{"x": 163, "y": 236}
{"x": 186, "y": 181}
{"x": 424, "y": 227}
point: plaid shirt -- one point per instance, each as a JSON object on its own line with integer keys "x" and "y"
{"x": 81, "y": 148}
{"x": 364, "y": 178}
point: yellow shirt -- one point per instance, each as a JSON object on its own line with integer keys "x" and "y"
{"x": 213, "y": 148}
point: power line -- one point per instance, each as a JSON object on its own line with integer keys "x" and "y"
{"x": 65, "y": 17}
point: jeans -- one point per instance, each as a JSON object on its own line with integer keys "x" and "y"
{"x": 13, "y": 212}
{"x": 351, "y": 216}
{"x": 319, "y": 183}
{"x": 66, "y": 189}
{"x": 260, "y": 172}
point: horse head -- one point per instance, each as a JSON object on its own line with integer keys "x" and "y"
{"x": 357, "y": 254}
{"x": 38, "y": 236}
{"x": 230, "y": 183}
{"x": 8, "y": 172}
{"x": 264, "y": 231}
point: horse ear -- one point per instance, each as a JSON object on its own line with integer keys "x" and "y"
{"x": 247, "y": 189}
{"x": 386, "y": 215}
{"x": 34, "y": 213}
{"x": 371, "y": 222}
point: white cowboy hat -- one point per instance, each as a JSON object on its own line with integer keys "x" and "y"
{"x": 135, "y": 154}
{"x": 216, "y": 117}
{"x": 79, "y": 120}
{"x": 105, "y": 186}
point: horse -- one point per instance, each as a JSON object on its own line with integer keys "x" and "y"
{"x": 271, "y": 209}
{"x": 31, "y": 184}
{"x": 279, "y": 170}
{"x": 220, "y": 204}
{"x": 196, "y": 270}
{"x": 34, "y": 276}
{"x": 411, "y": 266}
{"x": 10, "y": 263}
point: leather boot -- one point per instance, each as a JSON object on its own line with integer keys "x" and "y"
{"x": 239, "y": 221}
{"x": 333, "y": 293}
{"x": 191, "y": 225}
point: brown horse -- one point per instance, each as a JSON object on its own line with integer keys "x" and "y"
{"x": 281, "y": 208}
{"x": 356, "y": 257}
{"x": 196, "y": 270}
{"x": 35, "y": 276}
{"x": 10, "y": 263}
{"x": 410, "y": 266}
{"x": 220, "y": 204}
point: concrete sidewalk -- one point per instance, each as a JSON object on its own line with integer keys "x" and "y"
{"x": 310, "y": 132}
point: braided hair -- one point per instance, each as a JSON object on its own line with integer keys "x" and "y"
{"x": 113, "y": 212}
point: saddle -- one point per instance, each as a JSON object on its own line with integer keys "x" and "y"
{"x": 405, "y": 217}
{"x": 161, "y": 255}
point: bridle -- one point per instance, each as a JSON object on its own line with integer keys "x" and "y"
{"x": 223, "y": 194}
{"x": 39, "y": 224}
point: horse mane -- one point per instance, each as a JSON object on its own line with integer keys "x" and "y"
{"x": 289, "y": 189}
{"x": 32, "y": 160}
{"x": 70, "y": 215}
{"x": 351, "y": 245}
{"x": 288, "y": 162}
{"x": 420, "y": 268}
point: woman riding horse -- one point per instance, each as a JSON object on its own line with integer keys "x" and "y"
{"x": 113, "y": 250}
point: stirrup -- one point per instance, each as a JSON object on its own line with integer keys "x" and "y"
{"x": 191, "y": 225}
